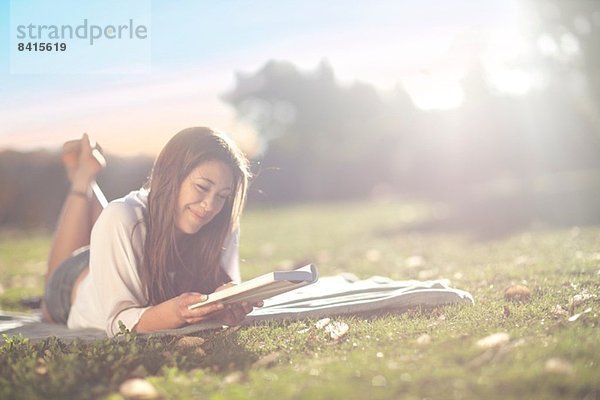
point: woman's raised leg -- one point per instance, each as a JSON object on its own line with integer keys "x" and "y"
{"x": 81, "y": 206}
{"x": 80, "y": 209}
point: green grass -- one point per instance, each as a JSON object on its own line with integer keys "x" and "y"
{"x": 380, "y": 357}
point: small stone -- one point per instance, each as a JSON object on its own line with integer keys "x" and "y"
{"x": 424, "y": 340}
{"x": 557, "y": 365}
{"x": 138, "y": 389}
{"x": 266, "y": 361}
{"x": 494, "y": 340}
{"x": 517, "y": 293}
{"x": 322, "y": 323}
{"x": 558, "y": 310}
{"x": 189, "y": 342}
{"x": 233, "y": 377}
{"x": 337, "y": 330}
{"x": 41, "y": 368}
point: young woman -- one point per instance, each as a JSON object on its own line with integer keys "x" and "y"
{"x": 155, "y": 251}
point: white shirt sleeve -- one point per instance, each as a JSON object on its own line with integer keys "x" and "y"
{"x": 230, "y": 259}
{"x": 113, "y": 266}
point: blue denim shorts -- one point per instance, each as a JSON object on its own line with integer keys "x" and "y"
{"x": 57, "y": 295}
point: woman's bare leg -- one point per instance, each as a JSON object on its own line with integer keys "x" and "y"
{"x": 75, "y": 221}
{"x": 81, "y": 207}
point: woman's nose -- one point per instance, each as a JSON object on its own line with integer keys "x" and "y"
{"x": 208, "y": 203}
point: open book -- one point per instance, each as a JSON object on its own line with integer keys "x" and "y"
{"x": 263, "y": 287}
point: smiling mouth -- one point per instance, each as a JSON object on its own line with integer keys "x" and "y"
{"x": 198, "y": 215}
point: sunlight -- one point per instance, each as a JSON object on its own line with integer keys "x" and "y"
{"x": 505, "y": 54}
{"x": 512, "y": 81}
{"x": 435, "y": 92}
{"x": 429, "y": 59}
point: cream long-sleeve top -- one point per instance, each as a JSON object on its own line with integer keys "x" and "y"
{"x": 113, "y": 291}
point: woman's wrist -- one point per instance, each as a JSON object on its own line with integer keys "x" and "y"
{"x": 161, "y": 316}
{"x": 79, "y": 193}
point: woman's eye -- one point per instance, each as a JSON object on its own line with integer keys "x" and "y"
{"x": 204, "y": 189}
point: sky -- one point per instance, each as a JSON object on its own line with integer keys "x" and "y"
{"x": 196, "y": 48}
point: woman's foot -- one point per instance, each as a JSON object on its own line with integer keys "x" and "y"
{"x": 70, "y": 156}
{"x": 83, "y": 161}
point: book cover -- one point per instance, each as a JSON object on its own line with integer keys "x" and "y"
{"x": 264, "y": 286}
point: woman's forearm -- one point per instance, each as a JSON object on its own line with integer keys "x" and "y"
{"x": 158, "y": 317}
{"x": 174, "y": 313}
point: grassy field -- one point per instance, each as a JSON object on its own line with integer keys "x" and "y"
{"x": 550, "y": 352}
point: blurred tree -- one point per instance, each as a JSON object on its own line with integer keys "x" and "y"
{"x": 326, "y": 140}
{"x": 500, "y": 160}
{"x": 33, "y": 185}
{"x": 565, "y": 34}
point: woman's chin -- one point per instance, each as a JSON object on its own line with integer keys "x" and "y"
{"x": 189, "y": 229}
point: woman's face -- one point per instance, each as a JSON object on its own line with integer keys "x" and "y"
{"x": 202, "y": 195}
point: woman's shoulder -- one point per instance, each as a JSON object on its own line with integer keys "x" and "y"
{"x": 128, "y": 209}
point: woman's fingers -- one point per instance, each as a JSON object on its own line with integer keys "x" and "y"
{"x": 199, "y": 313}
{"x": 234, "y": 314}
{"x": 72, "y": 146}
{"x": 259, "y": 303}
{"x": 246, "y": 307}
{"x": 230, "y": 314}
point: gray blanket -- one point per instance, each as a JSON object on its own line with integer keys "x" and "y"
{"x": 334, "y": 295}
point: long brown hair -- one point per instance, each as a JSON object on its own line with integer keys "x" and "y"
{"x": 168, "y": 266}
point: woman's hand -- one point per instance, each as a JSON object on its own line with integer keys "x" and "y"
{"x": 174, "y": 313}
{"x": 187, "y": 316}
{"x": 234, "y": 314}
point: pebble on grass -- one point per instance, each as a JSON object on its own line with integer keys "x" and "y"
{"x": 320, "y": 324}
{"x": 41, "y": 368}
{"x": 424, "y": 340}
{"x": 267, "y": 361}
{"x": 517, "y": 293}
{"x": 233, "y": 377}
{"x": 558, "y": 310}
{"x": 561, "y": 366}
{"x": 337, "y": 330}
{"x": 494, "y": 340}
{"x": 138, "y": 389}
{"x": 187, "y": 342}
{"x": 192, "y": 344}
